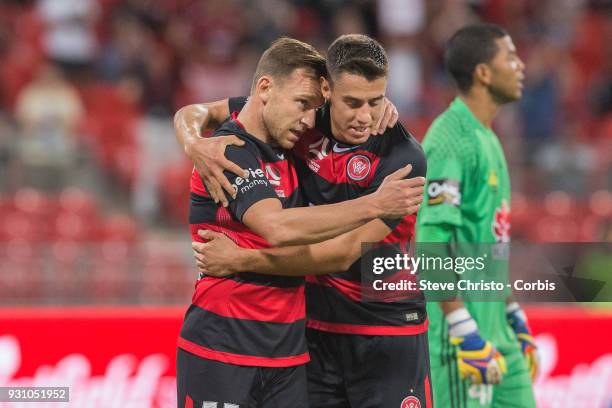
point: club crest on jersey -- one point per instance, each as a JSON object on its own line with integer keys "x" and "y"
{"x": 501, "y": 223}
{"x": 410, "y": 402}
{"x": 358, "y": 167}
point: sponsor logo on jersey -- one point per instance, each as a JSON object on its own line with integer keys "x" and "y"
{"x": 501, "y": 223}
{"x": 444, "y": 191}
{"x": 338, "y": 149}
{"x": 273, "y": 175}
{"x": 412, "y": 316}
{"x": 410, "y": 402}
{"x": 358, "y": 167}
{"x": 319, "y": 149}
{"x": 213, "y": 404}
{"x": 255, "y": 177}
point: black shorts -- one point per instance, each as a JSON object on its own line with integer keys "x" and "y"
{"x": 355, "y": 371}
{"x": 212, "y": 384}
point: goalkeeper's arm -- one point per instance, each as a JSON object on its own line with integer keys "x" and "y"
{"x": 477, "y": 359}
{"x": 517, "y": 319}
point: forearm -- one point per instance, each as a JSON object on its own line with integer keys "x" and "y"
{"x": 191, "y": 120}
{"x": 333, "y": 255}
{"x": 449, "y": 306}
{"x": 313, "y": 224}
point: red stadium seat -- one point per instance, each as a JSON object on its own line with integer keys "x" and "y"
{"x": 119, "y": 227}
{"x": 79, "y": 202}
{"x": 174, "y": 186}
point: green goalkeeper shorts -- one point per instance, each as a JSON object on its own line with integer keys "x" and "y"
{"x": 515, "y": 390}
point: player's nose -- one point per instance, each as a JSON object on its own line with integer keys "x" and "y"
{"x": 364, "y": 115}
{"x": 308, "y": 119}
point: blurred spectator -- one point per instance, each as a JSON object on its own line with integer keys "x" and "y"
{"x": 601, "y": 91}
{"x": 126, "y": 51}
{"x": 568, "y": 163}
{"x": 7, "y": 144}
{"x": 70, "y": 39}
{"x": 538, "y": 106}
{"x": 400, "y": 23}
{"x": 48, "y": 111}
{"x": 155, "y": 151}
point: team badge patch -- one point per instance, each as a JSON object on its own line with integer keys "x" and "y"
{"x": 501, "y": 223}
{"x": 358, "y": 167}
{"x": 411, "y": 402}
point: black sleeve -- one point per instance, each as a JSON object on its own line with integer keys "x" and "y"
{"x": 249, "y": 190}
{"x": 236, "y": 103}
{"x": 399, "y": 149}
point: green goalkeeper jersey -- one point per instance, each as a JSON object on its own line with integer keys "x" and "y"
{"x": 467, "y": 201}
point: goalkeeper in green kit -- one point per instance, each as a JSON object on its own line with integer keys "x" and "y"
{"x": 482, "y": 353}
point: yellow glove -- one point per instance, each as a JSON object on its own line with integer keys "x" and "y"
{"x": 478, "y": 360}
{"x": 518, "y": 321}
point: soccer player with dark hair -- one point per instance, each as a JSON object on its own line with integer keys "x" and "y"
{"x": 363, "y": 354}
{"x": 242, "y": 341}
{"x": 475, "y": 346}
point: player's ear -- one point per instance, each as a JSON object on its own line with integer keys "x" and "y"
{"x": 263, "y": 88}
{"x": 325, "y": 88}
{"x": 483, "y": 74}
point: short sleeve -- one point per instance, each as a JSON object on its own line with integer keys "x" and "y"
{"x": 403, "y": 149}
{"x": 251, "y": 189}
{"x": 448, "y": 157}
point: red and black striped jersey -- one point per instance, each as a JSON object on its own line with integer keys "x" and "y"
{"x": 330, "y": 172}
{"x": 246, "y": 319}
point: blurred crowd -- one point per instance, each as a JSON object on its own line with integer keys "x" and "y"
{"x": 88, "y": 89}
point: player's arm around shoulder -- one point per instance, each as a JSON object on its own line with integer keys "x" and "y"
{"x": 207, "y": 154}
{"x": 394, "y": 198}
{"x": 221, "y": 257}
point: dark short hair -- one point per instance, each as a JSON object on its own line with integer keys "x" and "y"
{"x": 468, "y": 47}
{"x": 286, "y": 55}
{"x": 357, "y": 54}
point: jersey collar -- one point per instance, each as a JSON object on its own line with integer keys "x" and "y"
{"x": 458, "y": 105}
